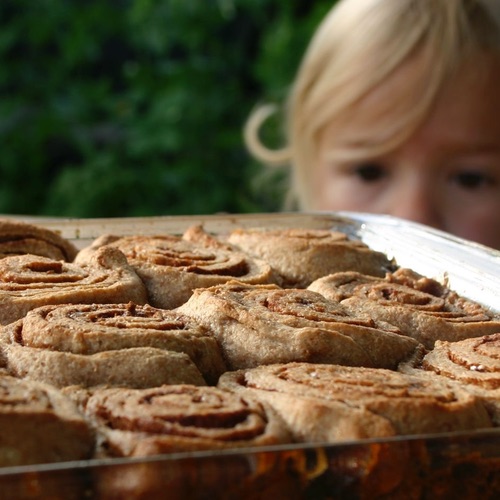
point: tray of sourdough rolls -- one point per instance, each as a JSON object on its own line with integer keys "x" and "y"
{"x": 316, "y": 355}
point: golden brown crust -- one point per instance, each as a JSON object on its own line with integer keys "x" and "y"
{"x": 91, "y": 328}
{"x": 264, "y": 324}
{"x": 338, "y": 403}
{"x": 300, "y": 256}
{"x": 420, "y": 307}
{"x": 19, "y": 238}
{"x": 39, "y": 425}
{"x": 29, "y": 281}
{"x": 171, "y": 266}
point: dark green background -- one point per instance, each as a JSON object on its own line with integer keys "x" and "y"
{"x": 131, "y": 108}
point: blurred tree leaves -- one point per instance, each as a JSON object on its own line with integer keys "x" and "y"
{"x": 135, "y": 107}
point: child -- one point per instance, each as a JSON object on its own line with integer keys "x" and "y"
{"x": 396, "y": 109}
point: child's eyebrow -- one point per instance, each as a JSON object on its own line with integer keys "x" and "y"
{"x": 374, "y": 137}
{"x": 360, "y": 147}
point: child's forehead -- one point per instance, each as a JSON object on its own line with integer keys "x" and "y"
{"x": 470, "y": 98}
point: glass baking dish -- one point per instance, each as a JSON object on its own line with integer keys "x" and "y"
{"x": 461, "y": 465}
{"x": 465, "y": 465}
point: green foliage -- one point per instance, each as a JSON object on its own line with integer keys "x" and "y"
{"x": 135, "y": 107}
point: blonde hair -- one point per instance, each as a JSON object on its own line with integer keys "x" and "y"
{"x": 359, "y": 44}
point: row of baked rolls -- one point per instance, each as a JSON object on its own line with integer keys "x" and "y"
{"x": 249, "y": 408}
{"x": 18, "y": 237}
{"x": 474, "y": 363}
{"x": 29, "y": 281}
{"x": 172, "y": 266}
{"x": 332, "y": 403}
{"x": 116, "y": 344}
{"x": 263, "y": 324}
{"x": 418, "y": 306}
{"x": 318, "y": 402}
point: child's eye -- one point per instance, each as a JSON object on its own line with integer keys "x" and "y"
{"x": 472, "y": 180}
{"x": 369, "y": 172}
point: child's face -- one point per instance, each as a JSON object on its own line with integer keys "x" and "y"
{"x": 446, "y": 175}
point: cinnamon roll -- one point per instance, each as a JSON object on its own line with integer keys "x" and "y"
{"x": 337, "y": 403}
{"x": 420, "y": 307}
{"x": 29, "y": 281}
{"x": 87, "y": 329}
{"x": 300, "y": 256}
{"x": 39, "y": 425}
{"x": 136, "y": 367}
{"x": 173, "y": 266}
{"x": 19, "y": 238}
{"x": 182, "y": 417}
{"x": 475, "y": 363}
{"x": 264, "y": 324}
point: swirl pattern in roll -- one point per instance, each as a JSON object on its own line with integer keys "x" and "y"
{"x": 475, "y": 363}
{"x": 29, "y": 281}
{"x": 39, "y": 425}
{"x": 19, "y": 238}
{"x": 420, "y": 307}
{"x": 264, "y": 324}
{"x": 172, "y": 266}
{"x": 180, "y": 418}
{"x": 300, "y": 256}
{"x": 336, "y": 403}
{"x": 87, "y": 329}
